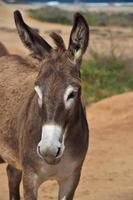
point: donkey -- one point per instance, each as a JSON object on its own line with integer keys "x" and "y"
{"x": 44, "y": 131}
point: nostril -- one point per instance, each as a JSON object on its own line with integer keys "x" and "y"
{"x": 39, "y": 150}
{"x": 58, "y": 152}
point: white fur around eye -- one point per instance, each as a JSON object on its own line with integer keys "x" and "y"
{"x": 39, "y": 93}
{"x": 69, "y": 102}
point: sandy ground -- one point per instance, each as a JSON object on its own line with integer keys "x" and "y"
{"x": 108, "y": 169}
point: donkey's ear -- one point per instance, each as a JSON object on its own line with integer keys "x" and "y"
{"x": 79, "y": 37}
{"x": 30, "y": 38}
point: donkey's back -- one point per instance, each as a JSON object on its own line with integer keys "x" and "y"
{"x": 17, "y": 76}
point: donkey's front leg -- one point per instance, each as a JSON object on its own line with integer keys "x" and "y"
{"x": 30, "y": 185}
{"x": 14, "y": 179}
{"x": 68, "y": 186}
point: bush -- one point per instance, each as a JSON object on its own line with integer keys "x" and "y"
{"x": 51, "y": 14}
{"x": 57, "y": 15}
{"x": 104, "y": 77}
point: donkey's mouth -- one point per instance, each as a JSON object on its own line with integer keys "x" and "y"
{"x": 52, "y": 160}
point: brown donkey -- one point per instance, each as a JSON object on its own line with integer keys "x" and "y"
{"x": 44, "y": 131}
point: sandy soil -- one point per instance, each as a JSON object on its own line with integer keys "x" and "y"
{"x": 108, "y": 169}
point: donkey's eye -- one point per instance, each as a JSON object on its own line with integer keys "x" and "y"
{"x": 71, "y": 95}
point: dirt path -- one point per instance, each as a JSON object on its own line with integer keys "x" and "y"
{"x": 108, "y": 168}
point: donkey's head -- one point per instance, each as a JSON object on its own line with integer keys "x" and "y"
{"x": 57, "y": 87}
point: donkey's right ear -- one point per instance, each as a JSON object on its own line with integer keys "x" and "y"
{"x": 79, "y": 37}
{"x": 30, "y": 38}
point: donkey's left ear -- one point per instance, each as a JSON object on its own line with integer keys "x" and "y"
{"x": 79, "y": 37}
{"x": 30, "y": 38}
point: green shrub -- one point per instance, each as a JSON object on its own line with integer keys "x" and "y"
{"x": 57, "y": 15}
{"x": 51, "y": 14}
{"x": 104, "y": 77}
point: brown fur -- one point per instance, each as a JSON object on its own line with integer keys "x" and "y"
{"x": 58, "y": 41}
{"x": 17, "y": 78}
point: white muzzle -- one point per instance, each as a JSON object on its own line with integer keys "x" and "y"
{"x": 52, "y": 142}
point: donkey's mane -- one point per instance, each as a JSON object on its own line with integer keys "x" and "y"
{"x": 58, "y": 40}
